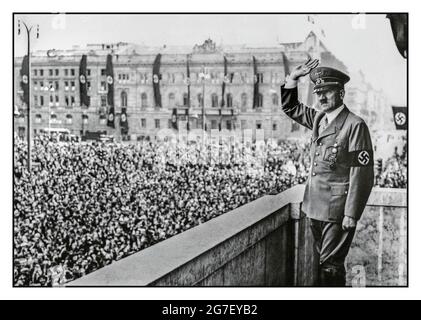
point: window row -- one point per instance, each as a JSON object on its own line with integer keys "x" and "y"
{"x": 215, "y": 102}
{"x": 54, "y": 101}
{"x": 55, "y": 85}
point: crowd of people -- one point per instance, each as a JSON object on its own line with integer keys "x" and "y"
{"x": 393, "y": 173}
{"x": 85, "y": 205}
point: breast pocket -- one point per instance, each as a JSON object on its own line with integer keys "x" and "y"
{"x": 338, "y": 194}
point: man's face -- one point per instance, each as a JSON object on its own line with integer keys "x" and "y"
{"x": 330, "y": 98}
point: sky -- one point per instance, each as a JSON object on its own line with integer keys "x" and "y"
{"x": 362, "y": 42}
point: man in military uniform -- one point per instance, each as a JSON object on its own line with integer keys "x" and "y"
{"x": 341, "y": 173}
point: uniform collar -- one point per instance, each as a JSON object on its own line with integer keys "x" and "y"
{"x": 332, "y": 115}
{"x": 336, "y": 123}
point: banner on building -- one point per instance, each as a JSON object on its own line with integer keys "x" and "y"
{"x": 188, "y": 83}
{"x": 256, "y": 84}
{"x": 400, "y": 116}
{"x": 24, "y": 84}
{"x": 124, "y": 123}
{"x": 285, "y": 62}
{"x": 109, "y": 73}
{"x": 110, "y": 117}
{"x": 83, "y": 83}
{"x": 225, "y": 81}
{"x": 156, "y": 78}
{"x": 174, "y": 119}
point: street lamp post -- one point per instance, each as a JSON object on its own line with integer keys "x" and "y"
{"x": 28, "y": 32}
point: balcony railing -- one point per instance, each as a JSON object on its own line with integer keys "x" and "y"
{"x": 267, "y": 242}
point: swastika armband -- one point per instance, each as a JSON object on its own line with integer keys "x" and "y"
{"x": 360, "y": 158}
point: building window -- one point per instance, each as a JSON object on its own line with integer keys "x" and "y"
{"x": 35, "y": 72}
{"x": 88, "y": 84}
{"x": 51, "y": 101}
{"x": 275, "y": 99}
{"x": 200, "y": 99}
{"x": 41, "y": 101}
{"x": 157, "y": 124}
{"x": 144, "y": 98}
{"x": 35, "y": 85}
{"x": 72, "y": 83}
{"x": 274, "y": 127}
{"x": 143, "y": 123}
{"x": 259, "y": 77}
{"x": 38, "y": 118}
{"x": 88, "y": 72}
{"x": 66, "y": 85}
{"x": 85, "y": 118}
{"x": 123, "y": 98}
{"x": 185, "y": 99}
{"x": 67, "y": 101}
{"x": 214, "y": 124}
{"x": 66, "y": 72}
{"x": 102, "y": 72}
{"x": 50, "y": 72}
{"x": 72, "y": 100}
{"x": 36, "y": 100}
{"x": 57, "y": 72}
{"x": 57, "y": 101}
{"x": 258, "y": 124}
{"x": 69, "y": 119}
{"x": 171, "y": 100}
{"x": 41, "y": 85}
{"x": 229, "y": 100}
{"x": 103, "y": 101}
{"x": 103, "y": 86}
{"x": 57, "y": 86}
{"x": 260, "y": 101}
{"x": 214, "y": 100}
{"x": 72, "y": 72}
{"x": 53, "y": 118}
{"x": 41, "y": 72}
{"x": 229, "y": 125}
{"x": 102, "y": 119}
{"x": 244, "y": 100}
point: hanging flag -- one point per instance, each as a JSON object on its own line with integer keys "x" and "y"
{"x": 225, "y": 81}
{"x": 24, "y": 84}
{"x": 285, "y": 62}
{"x": 110, "y": 95}
{"x": 83, "y": 86}
{"x": 256, "y": 84}
{"x": 111, "y": 116}
{"x": 124, "y": 124}
{"x": 400, "y": 117}
{"x": 188, "y": 83}
{"x": 156, "y": 78}
{"x": 399, "y": 25}
{"x": 174, "y": 119}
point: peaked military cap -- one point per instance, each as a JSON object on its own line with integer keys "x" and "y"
{"x": 325, "y": 76}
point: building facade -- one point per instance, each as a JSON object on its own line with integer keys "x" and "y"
{"x": 55, "y": 102}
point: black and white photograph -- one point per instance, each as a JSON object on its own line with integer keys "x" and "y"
{"x": 210, "y": 150}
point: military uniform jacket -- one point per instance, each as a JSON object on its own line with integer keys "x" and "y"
{"x": 341, "y": 173}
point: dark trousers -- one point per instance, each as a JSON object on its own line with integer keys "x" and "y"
{"x": 332, "y": 244}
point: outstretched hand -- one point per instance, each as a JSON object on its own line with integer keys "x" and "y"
{"x": 303, "y": 69}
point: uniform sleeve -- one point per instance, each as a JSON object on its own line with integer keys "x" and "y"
{"x": 361, "y": 176}
{"x": 295, "y": 109}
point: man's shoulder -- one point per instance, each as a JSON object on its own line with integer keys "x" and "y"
{"x": 355, "y": 119}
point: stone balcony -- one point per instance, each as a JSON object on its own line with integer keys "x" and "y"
{"x": 267, "y": 243}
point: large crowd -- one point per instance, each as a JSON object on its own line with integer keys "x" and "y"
{"x": 393, "y": 173}
{"x": 85, "y": 205}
